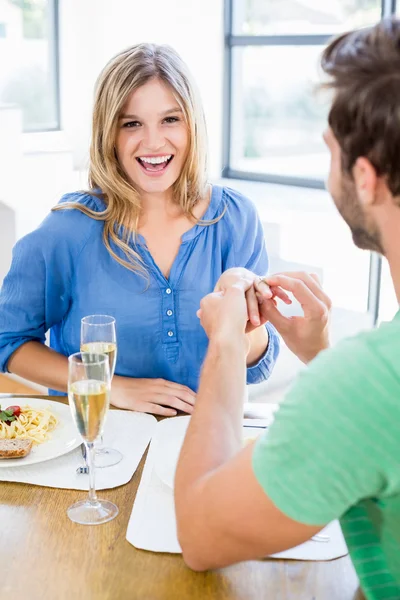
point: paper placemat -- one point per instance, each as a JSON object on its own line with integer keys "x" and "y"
{"x": 128, "y": 432}
{"x": 152, "y": 525}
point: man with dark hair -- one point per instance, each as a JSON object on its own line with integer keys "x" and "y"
{"x": 333, "y": 450}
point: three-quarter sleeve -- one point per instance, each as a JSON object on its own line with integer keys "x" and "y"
{"x": 33, "y": 297}
{"x": 36, "y": 292}
{"x": 263, "y": 368}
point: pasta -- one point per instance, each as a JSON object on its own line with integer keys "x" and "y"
{"x": 32, "y": 424}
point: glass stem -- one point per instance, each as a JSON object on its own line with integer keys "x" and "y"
{"x": 91, "y": 467}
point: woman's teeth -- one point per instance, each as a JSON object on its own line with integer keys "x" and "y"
{"x": 155, "y": 160}
{"x": 155, "y": 163}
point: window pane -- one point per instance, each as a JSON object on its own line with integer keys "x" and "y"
{"x": 28, "y": 61}
{"x": 280, "y": 17}
{"x": 277, "y": 116}
{"x": 388, "y": 305}
{"x": 304, "y": 231}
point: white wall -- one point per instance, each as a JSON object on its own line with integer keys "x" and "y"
{"x": 92, "y": 31}
{"x": 7, "y": 238}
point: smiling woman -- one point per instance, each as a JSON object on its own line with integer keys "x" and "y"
{"x": 148, "y": 240}
{"x": 152, "y": 140}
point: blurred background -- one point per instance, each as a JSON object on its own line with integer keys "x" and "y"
{"x": 256, "y": 64}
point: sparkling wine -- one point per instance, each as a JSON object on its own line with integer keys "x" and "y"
{"x": 107, "y": 348}
{"x": 89, "y": 400}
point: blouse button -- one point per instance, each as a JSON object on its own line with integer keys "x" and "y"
{"x": 170, "y": 333}
{"x": 169, "y": 313}
{"x": 168, "y": 290}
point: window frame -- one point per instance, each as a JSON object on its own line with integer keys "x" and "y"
{"x": 388, "y": 8}
{"x": 54, "y": 53}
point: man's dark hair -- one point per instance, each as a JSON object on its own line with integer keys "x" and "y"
{"x": 364, "y": 73}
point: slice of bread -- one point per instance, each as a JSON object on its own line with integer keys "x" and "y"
{"x": 15, "y": 448}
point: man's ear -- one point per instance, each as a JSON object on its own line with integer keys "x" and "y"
{"x": 366, "y": 181}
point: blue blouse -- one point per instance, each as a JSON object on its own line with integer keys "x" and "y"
{"x": 62, "y": 271}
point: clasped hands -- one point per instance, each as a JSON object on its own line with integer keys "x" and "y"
{"x": 240, "y": 303}
{"x": 243, "y": 301}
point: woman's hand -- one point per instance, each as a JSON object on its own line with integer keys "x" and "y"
{"x": 156, "y": 396}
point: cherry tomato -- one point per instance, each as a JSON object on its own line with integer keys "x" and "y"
{"x": 15, "y": 409}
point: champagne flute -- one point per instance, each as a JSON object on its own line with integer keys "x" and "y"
{"x": 89, "y": 386}
{"x": 98, "y": 336}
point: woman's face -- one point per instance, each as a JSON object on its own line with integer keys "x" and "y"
{"x": 152, "y": 139}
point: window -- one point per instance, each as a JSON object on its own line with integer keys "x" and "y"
{"x": 29, "y": 61}
{"x": 274, "y": 117}
{"x": 273, "y": 127}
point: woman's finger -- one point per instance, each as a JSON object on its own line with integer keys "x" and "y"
{"x": 183, "y": 395}
{"x": 316, "y": 279}
{"x": 181, "y": 391}
{"x": 174, "y": 402}
{"x": 262, "y": 287}
{"x": 156, "y": 409}
{"x": 252, "y": 307}
{"x": 173, "y": 384}
{"x": 271, "y": 292}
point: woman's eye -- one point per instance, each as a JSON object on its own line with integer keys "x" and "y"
{"x": 131, "y": 124}
{"x": 171, "y": 120}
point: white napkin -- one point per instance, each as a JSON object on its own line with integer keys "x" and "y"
{"x": 152, "y": 525}
{"x": 128, "y": 432}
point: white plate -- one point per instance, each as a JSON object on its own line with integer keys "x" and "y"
{"x": 63, "y": 439}
{"x": 170, "y": 434}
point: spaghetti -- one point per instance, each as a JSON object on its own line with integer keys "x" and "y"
{"x": 32, "y": 424}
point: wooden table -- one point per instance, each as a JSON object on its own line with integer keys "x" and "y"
{"x": 44, "y": 556}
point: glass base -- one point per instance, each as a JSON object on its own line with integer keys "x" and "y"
{"x": 86, "y": 512}
{"x": 106, "y": 457}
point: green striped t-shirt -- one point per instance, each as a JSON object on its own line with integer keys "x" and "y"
{"x": 334, "y": 452}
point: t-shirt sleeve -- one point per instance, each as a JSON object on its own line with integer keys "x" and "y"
{"x": 325, "y": 449}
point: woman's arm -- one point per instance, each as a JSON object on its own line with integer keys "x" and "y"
{"x": 34, "y": 297}
{"x": 36, "y": 362}
{"x": 259, "y": 340}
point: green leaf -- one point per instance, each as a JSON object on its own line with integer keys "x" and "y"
{"x": 7, "y": 415}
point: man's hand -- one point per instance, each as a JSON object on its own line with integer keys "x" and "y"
{"x": 306, "y": 336}
{"x": 223, "y": 314}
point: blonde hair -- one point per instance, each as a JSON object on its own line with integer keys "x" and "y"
{"x": 126, "y": 72}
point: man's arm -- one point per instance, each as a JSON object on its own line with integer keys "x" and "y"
{"x": 256, "y": 332}
{"x": 223, "y": 514}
